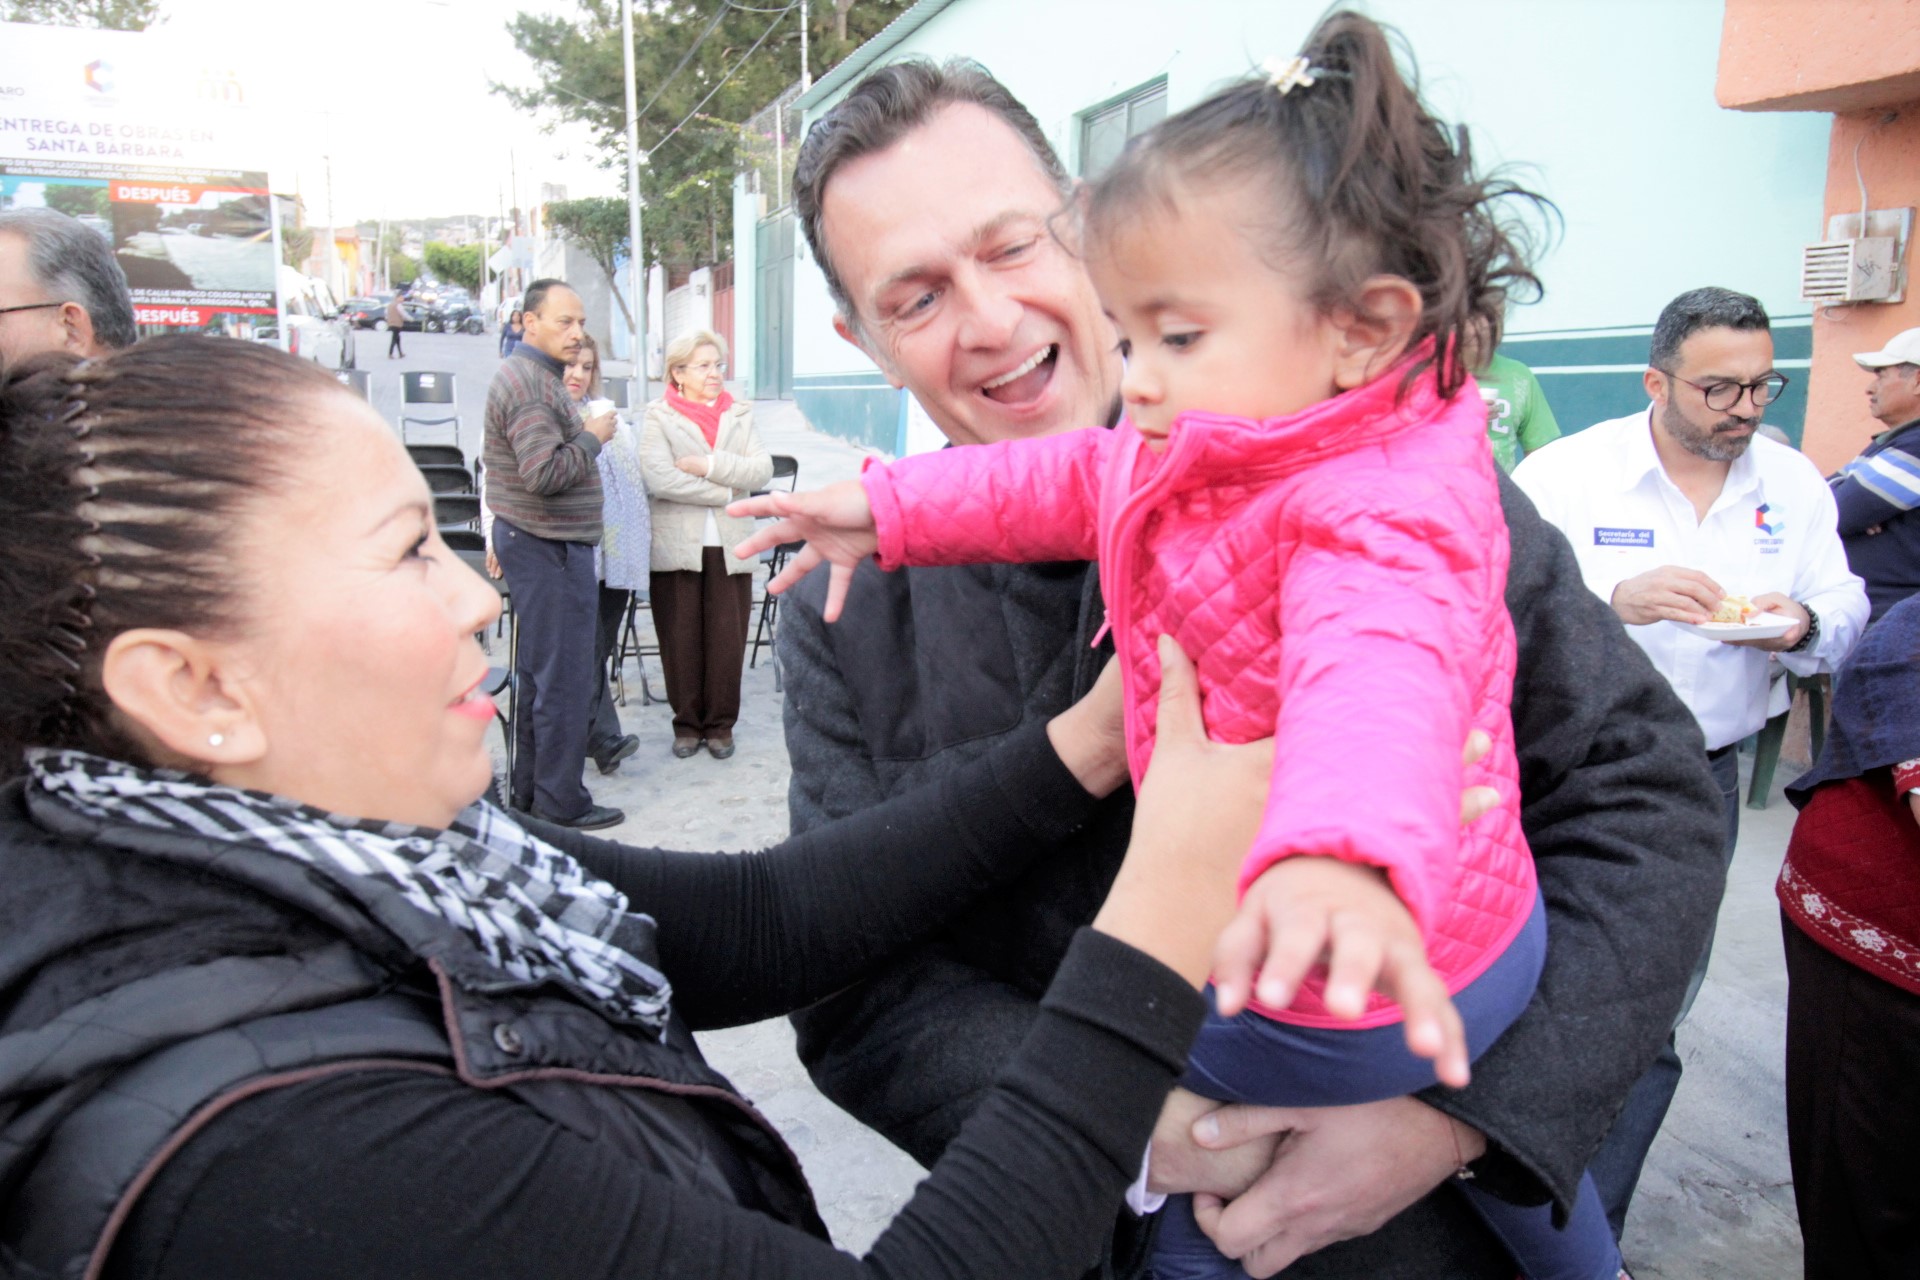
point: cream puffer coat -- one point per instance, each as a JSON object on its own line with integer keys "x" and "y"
{"x": 680, "y": 502}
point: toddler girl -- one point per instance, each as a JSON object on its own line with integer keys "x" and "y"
{"x": 1302, "y": 496}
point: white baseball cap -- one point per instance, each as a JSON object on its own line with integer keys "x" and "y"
{"x": 1903, "y": 349}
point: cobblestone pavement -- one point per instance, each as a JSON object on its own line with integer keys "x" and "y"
{"x": 1716, "y": 1200}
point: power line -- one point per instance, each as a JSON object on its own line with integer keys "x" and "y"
{"x": 723, "y": 79}
{"x": 661, "y": 88}
{"x": 682, "y": 65}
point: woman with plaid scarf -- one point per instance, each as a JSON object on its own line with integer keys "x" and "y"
{"x": 280, "y": 995}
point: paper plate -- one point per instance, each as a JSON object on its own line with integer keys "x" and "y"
{"x": 1762, "y": 626}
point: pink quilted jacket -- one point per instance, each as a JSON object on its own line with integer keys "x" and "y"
{"x": 1337, "y": 575}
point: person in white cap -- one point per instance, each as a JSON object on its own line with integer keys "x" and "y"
{"x": 1878, "y": 493}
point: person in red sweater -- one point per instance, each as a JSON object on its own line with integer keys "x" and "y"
{"x": 1850, "y": 910}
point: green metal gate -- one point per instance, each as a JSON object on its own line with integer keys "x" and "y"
{"x": 773, "y": 346}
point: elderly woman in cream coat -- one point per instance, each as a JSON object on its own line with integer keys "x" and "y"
{"x": 698, "y": 452}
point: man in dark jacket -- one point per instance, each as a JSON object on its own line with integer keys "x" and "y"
{"x": 543, "y": 486}
{"x": 1878, "y": 493}
{"x": 926, "y": 197}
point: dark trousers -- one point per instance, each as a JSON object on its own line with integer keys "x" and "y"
{"x": 554, "y": 602}
{"x": 1853, "y": 1115}
{"x": 393, "y": 343}
{"x": 701, "y": 619}
{"x": 605, "y": 721}
{"x": 1250, "y": 1058}
{"x": 1616, "y": 1165}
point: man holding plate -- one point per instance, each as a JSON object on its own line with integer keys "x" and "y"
{"x": 1672, "y": 511}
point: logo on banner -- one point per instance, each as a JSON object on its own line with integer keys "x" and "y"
{"x": 1622, "y": 537}
{"x": 1761, "y": 523}
{"x": 100, "y": 76}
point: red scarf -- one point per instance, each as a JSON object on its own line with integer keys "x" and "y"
{"x": 704, "y": 416}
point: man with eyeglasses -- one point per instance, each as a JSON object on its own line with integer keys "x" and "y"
{"x": 1670, "y": 511}
{"x": 60, "y": 288}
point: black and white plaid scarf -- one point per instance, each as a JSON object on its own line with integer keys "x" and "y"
{"x": 530, "y": 909}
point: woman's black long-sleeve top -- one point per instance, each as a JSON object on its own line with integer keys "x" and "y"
{"x": 404, "y": 1174}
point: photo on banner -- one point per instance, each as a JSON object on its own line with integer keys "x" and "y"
{"x": 152, "y": 144}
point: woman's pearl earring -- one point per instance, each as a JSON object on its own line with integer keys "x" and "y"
{"x": 215, "y": 739}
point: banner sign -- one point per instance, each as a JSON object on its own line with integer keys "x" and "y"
{"x": 149, "y": 142}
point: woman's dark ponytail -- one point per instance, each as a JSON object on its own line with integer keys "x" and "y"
{"x": 123, "y": 481}
{"x": 1363, "y": 180}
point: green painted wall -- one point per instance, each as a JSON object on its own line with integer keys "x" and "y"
{"x": 860, "y": 407}
{"x": 1591, "y": 376}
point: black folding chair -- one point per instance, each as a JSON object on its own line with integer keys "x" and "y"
{"x": 436, "y": 455}
{"x": 442, "y": 479}
{"x": 357, "y": 380}
{"x": 432, "y": 392}
{"x": 456, "y": 511}
{"x": 631, "y": 646}
{"x": 785, "y": 468}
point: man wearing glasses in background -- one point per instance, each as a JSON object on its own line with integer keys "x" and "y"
{"x": 60, "y": 288}
{"x": 1671, "y": 510}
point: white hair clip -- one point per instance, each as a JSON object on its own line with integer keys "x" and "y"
{"x": 1288, "y": 76}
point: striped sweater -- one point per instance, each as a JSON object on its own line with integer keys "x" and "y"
{"x": 1878, "y": 495}
{"x": 541, "y": 471}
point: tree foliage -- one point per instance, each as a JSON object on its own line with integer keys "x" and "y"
{"x": 401, "y": 270}
{"x": 454, "y": 263}
{"x": 296, "y": 246}
{"x": 598, "y": 225}
{"x": 75, "y": 200}
{"x": 690, "y": 122}
{"x": 113, "y": 15}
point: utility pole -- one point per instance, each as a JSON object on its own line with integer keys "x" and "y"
{"x": 636, "y": 272}
{"x": 806, "y": 69}
{"x": 333, "y": 245}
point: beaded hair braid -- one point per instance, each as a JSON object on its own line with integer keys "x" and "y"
{"x": 122, "y": 482}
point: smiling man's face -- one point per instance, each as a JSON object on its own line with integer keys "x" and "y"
{"x": 961, "y": 294}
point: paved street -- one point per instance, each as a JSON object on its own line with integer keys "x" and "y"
{"x": 1716, "y": 1200}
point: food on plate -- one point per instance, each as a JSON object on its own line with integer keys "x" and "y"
{"x": 1734, "y": 609}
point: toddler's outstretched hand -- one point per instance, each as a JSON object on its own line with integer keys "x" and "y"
{"x": 836, "y": 523}
{"x": 1304, "y": 910}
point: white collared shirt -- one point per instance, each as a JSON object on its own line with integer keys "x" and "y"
{"x": 1771, "y": 529}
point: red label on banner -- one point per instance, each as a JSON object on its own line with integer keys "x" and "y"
{"x": 186, "y": 317}
{"x": 137, "y": 192}
{"x": 157, "y": 193}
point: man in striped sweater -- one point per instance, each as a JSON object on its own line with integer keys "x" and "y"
{"x": 1878, "y": 493}
{"x": 543, "y": 486}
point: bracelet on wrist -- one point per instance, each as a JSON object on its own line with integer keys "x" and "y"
{"x": 1811, "y": 634}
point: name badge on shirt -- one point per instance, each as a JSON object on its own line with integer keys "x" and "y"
{"x": 1623, "y": 537}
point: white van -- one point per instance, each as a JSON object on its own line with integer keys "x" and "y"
{"x": 311, "y": 325}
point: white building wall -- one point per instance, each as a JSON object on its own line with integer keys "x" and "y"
{"x": 1608, "y": 102}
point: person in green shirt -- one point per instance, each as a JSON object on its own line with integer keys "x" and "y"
{"x": 1517, "y": 410}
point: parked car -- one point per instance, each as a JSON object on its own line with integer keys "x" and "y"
{"x": 371, "y": 313}
{"x": 362, "y": 312}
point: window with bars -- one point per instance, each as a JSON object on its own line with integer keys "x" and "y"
{"x": 1104, "y": 130}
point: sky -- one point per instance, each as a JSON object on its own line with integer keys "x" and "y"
{"x": 395, "y": 92}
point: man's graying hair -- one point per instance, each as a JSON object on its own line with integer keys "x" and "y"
{"x": 883, "y": 108}
{"x": 537, "y": 294}
{"x": 1697, "y": 309}
{"x": 74, "y": 263}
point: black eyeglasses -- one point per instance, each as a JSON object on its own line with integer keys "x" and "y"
{"x": 1722, "y": 396}
{"x": 31, "y": 306}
